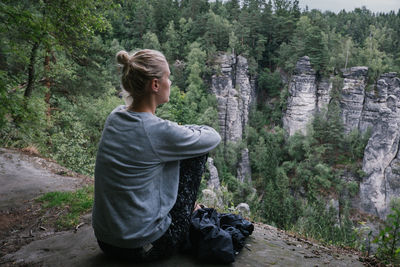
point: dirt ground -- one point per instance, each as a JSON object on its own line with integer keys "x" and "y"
{"x": 23, "y": 178}
{"x": 28, "y": 236}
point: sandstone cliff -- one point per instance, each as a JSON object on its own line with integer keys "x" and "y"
{"x": 302, "y": 101}
{"x": 362, "y": 109}
{"x": 235, "y": 91}
{"x": 381, "y": 159}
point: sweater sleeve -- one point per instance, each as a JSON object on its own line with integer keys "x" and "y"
{"x": 172, "y": 142}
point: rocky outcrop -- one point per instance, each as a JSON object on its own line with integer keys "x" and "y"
{"x": 235, "y": 91}
{"x": 233, "y": 88}
{"x": 352, "y": 96}
{"x": 302, "y": 99}
{"x": 244, "y": 170}
{"x": 213, "y": 181}
{"x": 376, "y": 110}
{"x": 324, "y": 88}
{"x": 381, "y": 158}
{"x": 307, "y": 95}
{"x": 243, "y": 209}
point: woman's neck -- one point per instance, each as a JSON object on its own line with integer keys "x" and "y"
{"x": 144, "y": 105}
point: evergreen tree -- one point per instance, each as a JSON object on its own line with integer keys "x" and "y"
{"x": 150, "y": 41}
{"x": 171, "y": 46}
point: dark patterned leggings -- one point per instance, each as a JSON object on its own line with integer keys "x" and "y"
{"x": 191, "y": 171}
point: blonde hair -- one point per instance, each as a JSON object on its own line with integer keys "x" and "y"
{"x": 138, "y": 70}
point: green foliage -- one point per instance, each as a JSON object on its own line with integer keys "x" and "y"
{"x": 271, "y": 83}
{"x": 295, "y": 177}
{"x": 372, "y": 54}
{"x": 217, "y": 31}
{"x": 150, "y": 41}
{"x": 3, "y": 95}
{"x": 74, "y": 204}
{"x": 45, "y": 24}
{"x": 266, "y": 154}
{"x": 77, "y": 130}
{"x": 356, "y": 143}
{"x": 172, "y": 46}
{"x": 323, "y": 223}
{"x": 24, "y": 120}
{"x": 279, "y": 207}
{"x": 308, "y": 39}
{"x": 388, "y": 239}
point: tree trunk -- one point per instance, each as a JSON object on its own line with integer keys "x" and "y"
{"x": 31, "y": 70}
{"x": 47, "y": 81}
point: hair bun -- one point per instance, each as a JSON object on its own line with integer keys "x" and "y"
{"x": 123, "y": 57}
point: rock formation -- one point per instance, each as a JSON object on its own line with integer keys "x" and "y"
{"x": 381, "y": 159}
{"x": 376, "y": 109}
{"x": 352, "y": 96}
{"x": 213, "y": 181}
{"x": 324, "y": 88}
{"x": 235, "y": 92}
{"x": 306, "y": 96}
{"x": 302, "y": 98}
{"x": 243, "y": 209}
{"x": 244, "y": 170}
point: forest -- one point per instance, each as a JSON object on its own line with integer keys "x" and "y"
{"x": 59, "y": 80}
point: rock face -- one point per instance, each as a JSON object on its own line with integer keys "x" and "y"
{"x": 381, "y": 159}
{"x": 244, "y": 170}
{"x": 302, "y": 101}
{"x": 14, "y": 167}
{"x": 213, "y": 181}
{"x": 352, "y": 96}
{"x": 306, "y": 96}
{"x": 324, "y": 88}
{"x": 235, "y": 92}
{"x": 243, "y": 209}
{"x": 375, "y": 110}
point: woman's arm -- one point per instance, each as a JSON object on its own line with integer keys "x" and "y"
{"x": 171, "y": 141}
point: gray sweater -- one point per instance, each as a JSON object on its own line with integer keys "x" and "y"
{"x": 137, "y": 174}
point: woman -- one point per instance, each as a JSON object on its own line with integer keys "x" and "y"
{"x": 138, "y": 212}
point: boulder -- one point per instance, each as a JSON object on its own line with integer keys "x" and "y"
{"x": 243, "y": 209}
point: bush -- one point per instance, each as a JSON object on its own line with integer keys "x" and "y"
{"x": 323, "y": 223}
{"x": 77, "y": 130}
{"x": 24, "y": 121}
{"x": 388, "y": 239}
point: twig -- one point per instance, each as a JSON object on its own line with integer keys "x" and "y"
{"x": 79, "y": 225}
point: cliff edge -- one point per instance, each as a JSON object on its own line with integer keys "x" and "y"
{"x": 27, "y": 240}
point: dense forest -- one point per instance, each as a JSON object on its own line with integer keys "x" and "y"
{"x": 59, "y": 81}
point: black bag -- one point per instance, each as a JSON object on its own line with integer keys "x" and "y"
{"x": 217, "y": 237}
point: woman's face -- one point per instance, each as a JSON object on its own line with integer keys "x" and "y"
{"x": 164, "y": 87}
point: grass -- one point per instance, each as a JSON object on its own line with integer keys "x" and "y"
{"x": 71, "y": 204}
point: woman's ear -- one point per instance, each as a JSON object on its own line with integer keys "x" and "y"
{"x": 155, "y": 85}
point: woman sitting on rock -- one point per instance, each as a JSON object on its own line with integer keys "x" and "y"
{"x": 139, "y": 213}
